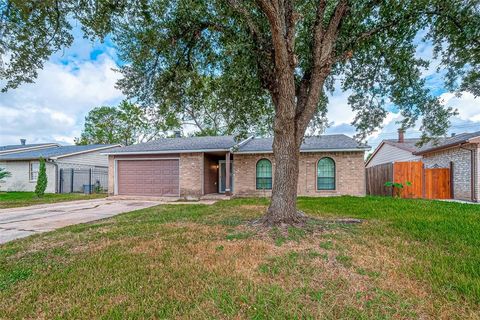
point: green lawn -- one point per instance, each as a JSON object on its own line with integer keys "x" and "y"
{"x": 407, "y": 259}
{"x": 21, "y": 199}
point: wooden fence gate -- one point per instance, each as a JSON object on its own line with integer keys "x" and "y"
{"x": 432, "y": 183}
{"x": 437, "y": 183}
{"x": 411, "y": 172}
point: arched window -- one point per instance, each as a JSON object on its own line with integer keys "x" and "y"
{"x": 326, "y": 174}
{"x": 264, "y": 174}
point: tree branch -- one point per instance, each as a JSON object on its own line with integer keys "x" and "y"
{"x": 324, "y": 41}
{"x": 240, "y": 10}
{"x": 277, "y": 27}
{"x": 263, "y": 46}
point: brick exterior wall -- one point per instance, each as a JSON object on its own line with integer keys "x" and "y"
{"x": 477, "y": 171}
{"x": 111, "y": 175}
{"x": 350, "y": 174}
{"x": 191, "y": 174}
{"x": 461, "y": 159}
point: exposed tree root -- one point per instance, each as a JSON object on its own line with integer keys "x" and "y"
{"x": 300, "y": 219}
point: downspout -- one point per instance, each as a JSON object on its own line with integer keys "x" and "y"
{"x": 472, "y": 172}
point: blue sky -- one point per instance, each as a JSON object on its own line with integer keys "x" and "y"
{"x": 81, "y": 77}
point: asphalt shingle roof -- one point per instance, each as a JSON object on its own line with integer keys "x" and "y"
{"x": 181, "y": 144}
{"x": 407, "y": 144}
{"x": 22, "y": 146}
{"x": 325, "y": 142}
{"x": 51, "y": 152}
{"x": 449, "y": 141}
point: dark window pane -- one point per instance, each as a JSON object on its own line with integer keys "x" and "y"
{"x": 264, "y": 183}
{"x": 326, "y": 174}
{"x": 264, "y": 174}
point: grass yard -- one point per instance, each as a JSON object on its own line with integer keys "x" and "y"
{"x": 21, "y": 199}
{"x": 407, "y": 259}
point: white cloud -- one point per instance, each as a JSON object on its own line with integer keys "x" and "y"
{"x": 54, "y": 107}
{"x": 468, "y": 107}
{"x": 339, "y": 112}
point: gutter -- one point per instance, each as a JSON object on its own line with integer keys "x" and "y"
{"x": 225, "y": 150}
{"x": 163, "y": 152}
{"x": 306, "y": 151}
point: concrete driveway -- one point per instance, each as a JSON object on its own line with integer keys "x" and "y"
{"x": 21, "y": 222}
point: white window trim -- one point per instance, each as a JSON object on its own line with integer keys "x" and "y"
{"x": 30, "y": 170}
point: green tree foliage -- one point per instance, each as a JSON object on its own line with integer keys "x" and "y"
{"x": 4, "y": 174}
{"x": 169, "y": 44}
{"x": 264, "y": 56}
{"x": 41, "y": 179}
{"x": 126, "y": 124}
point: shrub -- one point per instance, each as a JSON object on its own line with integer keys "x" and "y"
{"x": 4, "y": 174}
{"x": 41, "y": 180}
{"x": 397, "y": 187}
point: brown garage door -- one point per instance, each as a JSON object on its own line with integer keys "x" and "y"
{"x": 148, "y": 177}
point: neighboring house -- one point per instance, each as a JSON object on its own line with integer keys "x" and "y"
{"x": 23, "y": 163}
{"x": 461, "y": 153}
{"x": 25, "y": 147}
{"x": 197, "y": 166}
{"x": 394, "y": 150}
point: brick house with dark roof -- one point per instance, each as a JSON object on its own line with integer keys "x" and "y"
{"x": 198, "y": 166}
{"x": 460, "y": 152}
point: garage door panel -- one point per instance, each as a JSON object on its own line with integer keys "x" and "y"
{"x": 148, "y": 177}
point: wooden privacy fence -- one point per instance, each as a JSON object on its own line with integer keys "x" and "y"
{"x": 376, "y": 177}
{"x": 431, "y": 183}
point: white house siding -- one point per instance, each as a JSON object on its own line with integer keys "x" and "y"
{"x": 20, "y": 177}
{"x": 461, "y": 159}
{"x": 84, "y": 160}
{"x": 388, "y": 153}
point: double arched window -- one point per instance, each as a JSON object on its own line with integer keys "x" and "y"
{"x": 326, "y": 174}
{"x": 264, "y": 174}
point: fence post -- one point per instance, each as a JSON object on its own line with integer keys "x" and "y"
{"x": 393, "y": 179}
{"x": 90, "y": 181}
{"x": 60, "y": 182}
{"x": 71, "y": 180}
{"x": 424, "y": 181}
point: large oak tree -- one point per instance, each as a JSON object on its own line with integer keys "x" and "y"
{"x": 287, "y": 53}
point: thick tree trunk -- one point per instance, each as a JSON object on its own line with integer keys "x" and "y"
{"x": 295, "y": 102}
{"x": 283, "y": 206}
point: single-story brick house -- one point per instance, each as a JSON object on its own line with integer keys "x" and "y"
{"x": 198, "y": 166}
{"x": 460, "y": 153}
{"x": 22, "y": 161}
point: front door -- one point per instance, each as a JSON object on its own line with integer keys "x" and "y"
{"x": 222, "y": 176}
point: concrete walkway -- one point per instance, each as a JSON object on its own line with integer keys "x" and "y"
{"x": 21, "y": 222}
